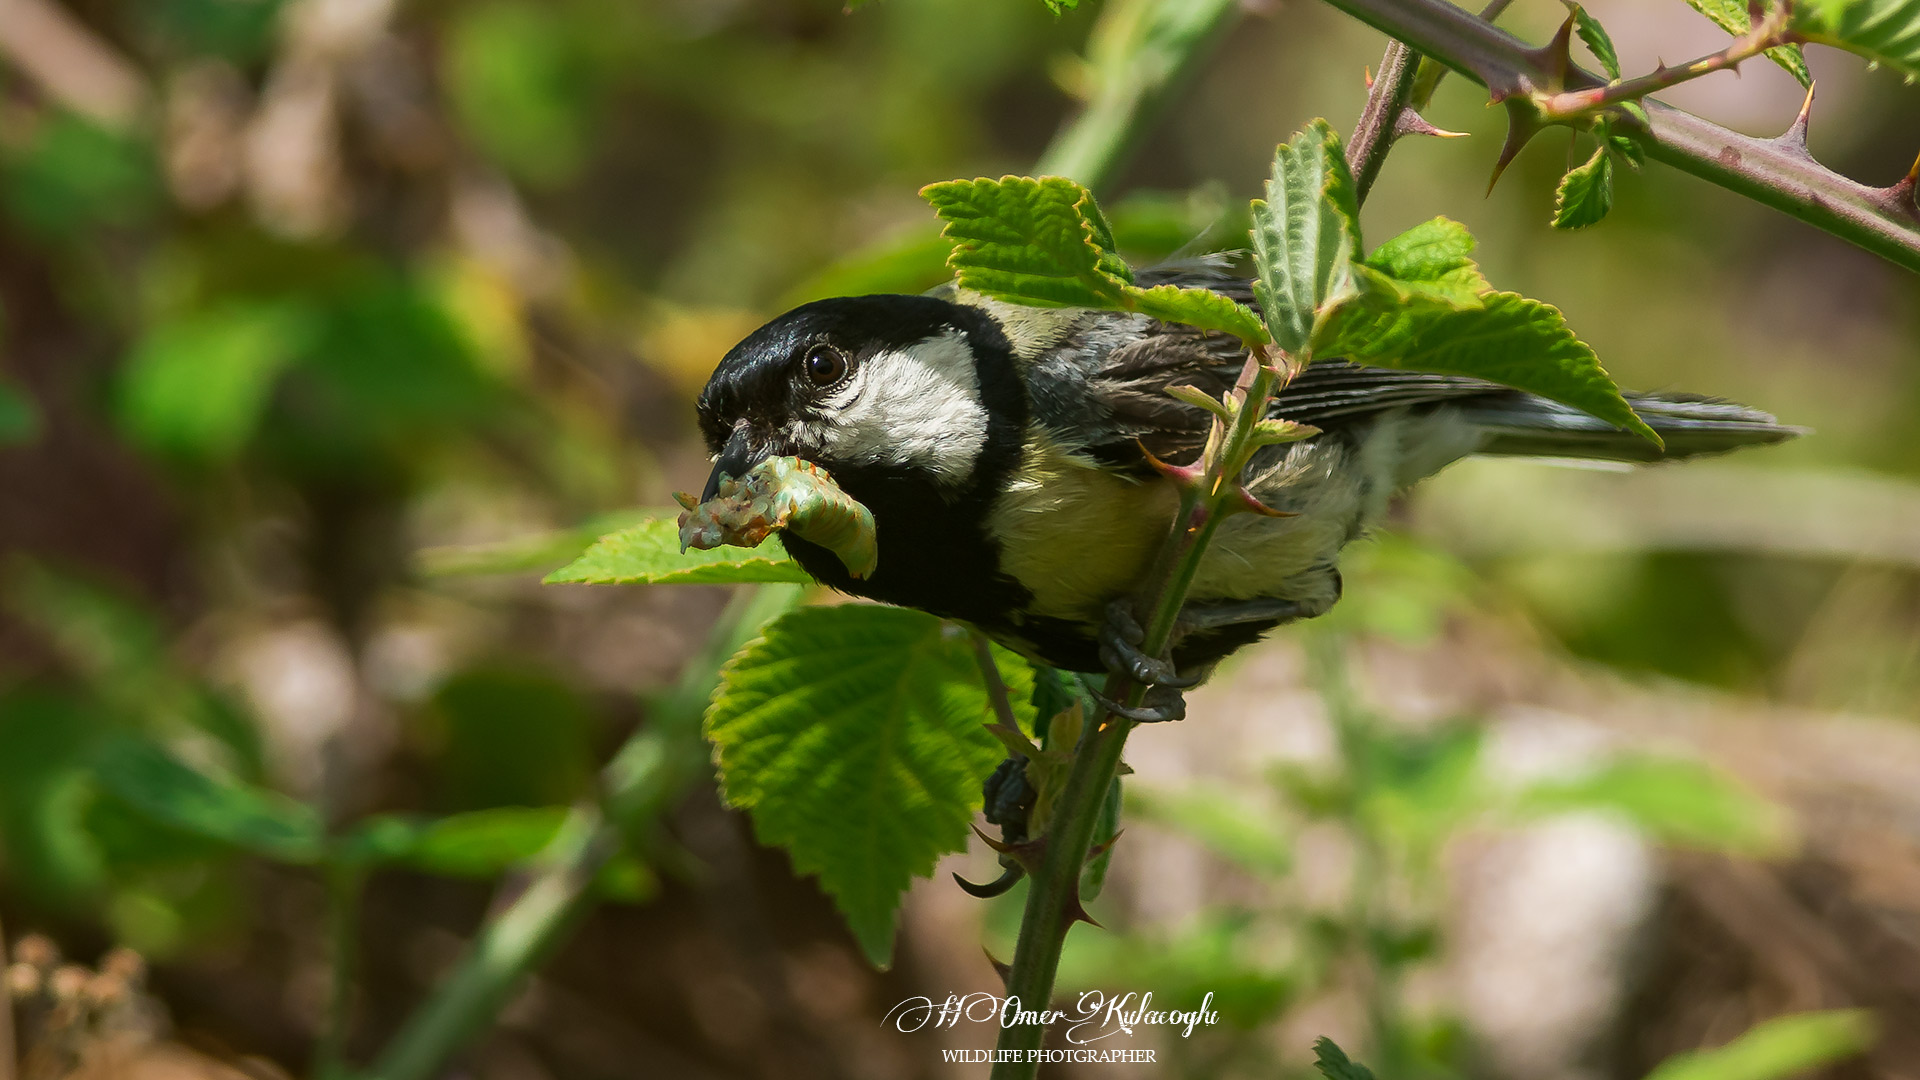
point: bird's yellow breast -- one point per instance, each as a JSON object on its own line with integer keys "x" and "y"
{"x": 1075, "y": 534}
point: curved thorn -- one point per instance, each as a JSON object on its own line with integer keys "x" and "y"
{"x": 1188, "y": 475}
{"x": 1000, "y": 969}
{"x": 1795, "y": 137}
{"x": 1412, "y": 123}
{"x": 997, "y": 887}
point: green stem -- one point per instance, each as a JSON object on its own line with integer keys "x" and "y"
{"x": 1141, "y": 52}
{"x": 345, "y": 881}
{"x": 1775, "y": 173}
{"x": 645, "y": 779}
{"x": 1053, "y": 899}
{"x": 1572, "y": 104}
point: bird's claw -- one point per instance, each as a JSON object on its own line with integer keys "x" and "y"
{"x": 1163, "y": 704}
{"x": 1120, "y": 652}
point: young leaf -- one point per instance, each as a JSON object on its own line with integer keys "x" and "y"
{"x": 1733, "y": 17}
{"x": 1885, "y": 31}
{"x": 1783, "y": 1047}
{"x": 1029, "y": 241}
{"x": 856, "y": 738}
{"x": 147, "y": 778}
{"x": 1305, "y": 236}
{"x": 649, "y": 554}
{"x": 1594, "y": 36}
{"x": 1510, "y": 340}
{"x": 1334, "y": 1064}
{"x": 1433, "y": 259}
{"x": 1198, "y": 307}
{"x": 1586, "y": 193}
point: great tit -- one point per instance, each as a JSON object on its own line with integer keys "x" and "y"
{"x": 1002, "y": 451}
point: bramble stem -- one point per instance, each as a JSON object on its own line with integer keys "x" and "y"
{"x": 1379, "y": 122}
{"x": 1053, "y": 899}
{"x": 1764, "y": 170}
{"x": 1570, "y": 104}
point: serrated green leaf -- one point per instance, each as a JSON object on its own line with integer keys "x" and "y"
{"x": 1783, "y": 1047}
{"x": 1586, "y": 193}
{"x": 1305, "y": 236}
{"x": 855, "y": 737}
{"x": 1224, "y": 825}
{"x": 1029, "y": 241}
{"x": 1597, "y": 41}
{"x": 1621, "y": 143}
{"x": 1675, "y": 801}
{"x": 1733, "y": 17}
{"x": 1198, "y": 307}
{"x": 147, "y": 778}
{"x": 1886, "y": 31}
{"x": 649, "y": 554}
{"x": 1434, "y": 258}
{"x": 1334, "y": 1064}
{"x": 1510, "y": 340}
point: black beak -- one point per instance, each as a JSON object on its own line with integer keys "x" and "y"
{"x": 735, "y": 459}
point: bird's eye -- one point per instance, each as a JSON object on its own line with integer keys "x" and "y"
{"x": 825, "y": 365}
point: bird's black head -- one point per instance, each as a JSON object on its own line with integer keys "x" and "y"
{"x": 900, "y": 386}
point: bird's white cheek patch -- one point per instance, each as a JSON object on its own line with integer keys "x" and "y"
{"x": 918, "y": 406}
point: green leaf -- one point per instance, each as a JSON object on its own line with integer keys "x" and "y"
{"x": 1433, "y": 260}
{"x": 1595, "y": 37}
{"x": 855, "y": 736}
{"x": 1334, "y": 1064}
{"x": 1513, "y": 341}
{"x": 1783, "y": 1047}
{"x": 1884, "y": 31}
{"x": 1044, "y": 243}
{"x": 1676, "y": 801}
{"x": 147, "y": 778}
{"x": 1586, "y": 193}
{"x": 1305, "y": 235}
{"x": 649, "y": 554}
{"x": 1732, "y": 16}
{"x": 19, "y": 418}
{"x": 524, "y": 554}
{"x": 1198, "y": 307}
{"x": 1227, "y": 826}
{"x": 1029, "y": 241}
{"x": 196, "y": 386}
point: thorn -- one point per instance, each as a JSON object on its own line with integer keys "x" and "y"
{"x": 1101, "y": 849}
{"x": 1412, "y": 123}
{"x": 1026, "y": 853}
{"x": 1556, "y": 56}
{"x": 1904, "y": 197}
{"x": 1795, "y": 137}
{"x": 999, "y": 886}
{"x": 1523, "y": 123}
{"x": 1248, "y": 502}
{"x": 1186, "y": 475}
{"x": 1368, "y": 70}
{"x": 1077, "y": 912}
{"x": 1000, "y": 969}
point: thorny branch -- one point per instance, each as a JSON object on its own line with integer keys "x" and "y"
{"x": 1768, "y": 32}
{"x": 1776, "y": 172}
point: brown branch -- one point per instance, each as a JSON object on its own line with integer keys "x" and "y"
{"x": 1570, "y": 104}
{"x": 1379, "y": 123}
{"x": 1776, "y": 173}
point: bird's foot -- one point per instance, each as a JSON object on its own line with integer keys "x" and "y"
{"x": 1121, "y": 637}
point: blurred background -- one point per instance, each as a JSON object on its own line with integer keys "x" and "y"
{"x": 326, "y": 326}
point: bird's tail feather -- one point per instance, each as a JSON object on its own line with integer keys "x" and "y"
{"x": 1522, "y": 424}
